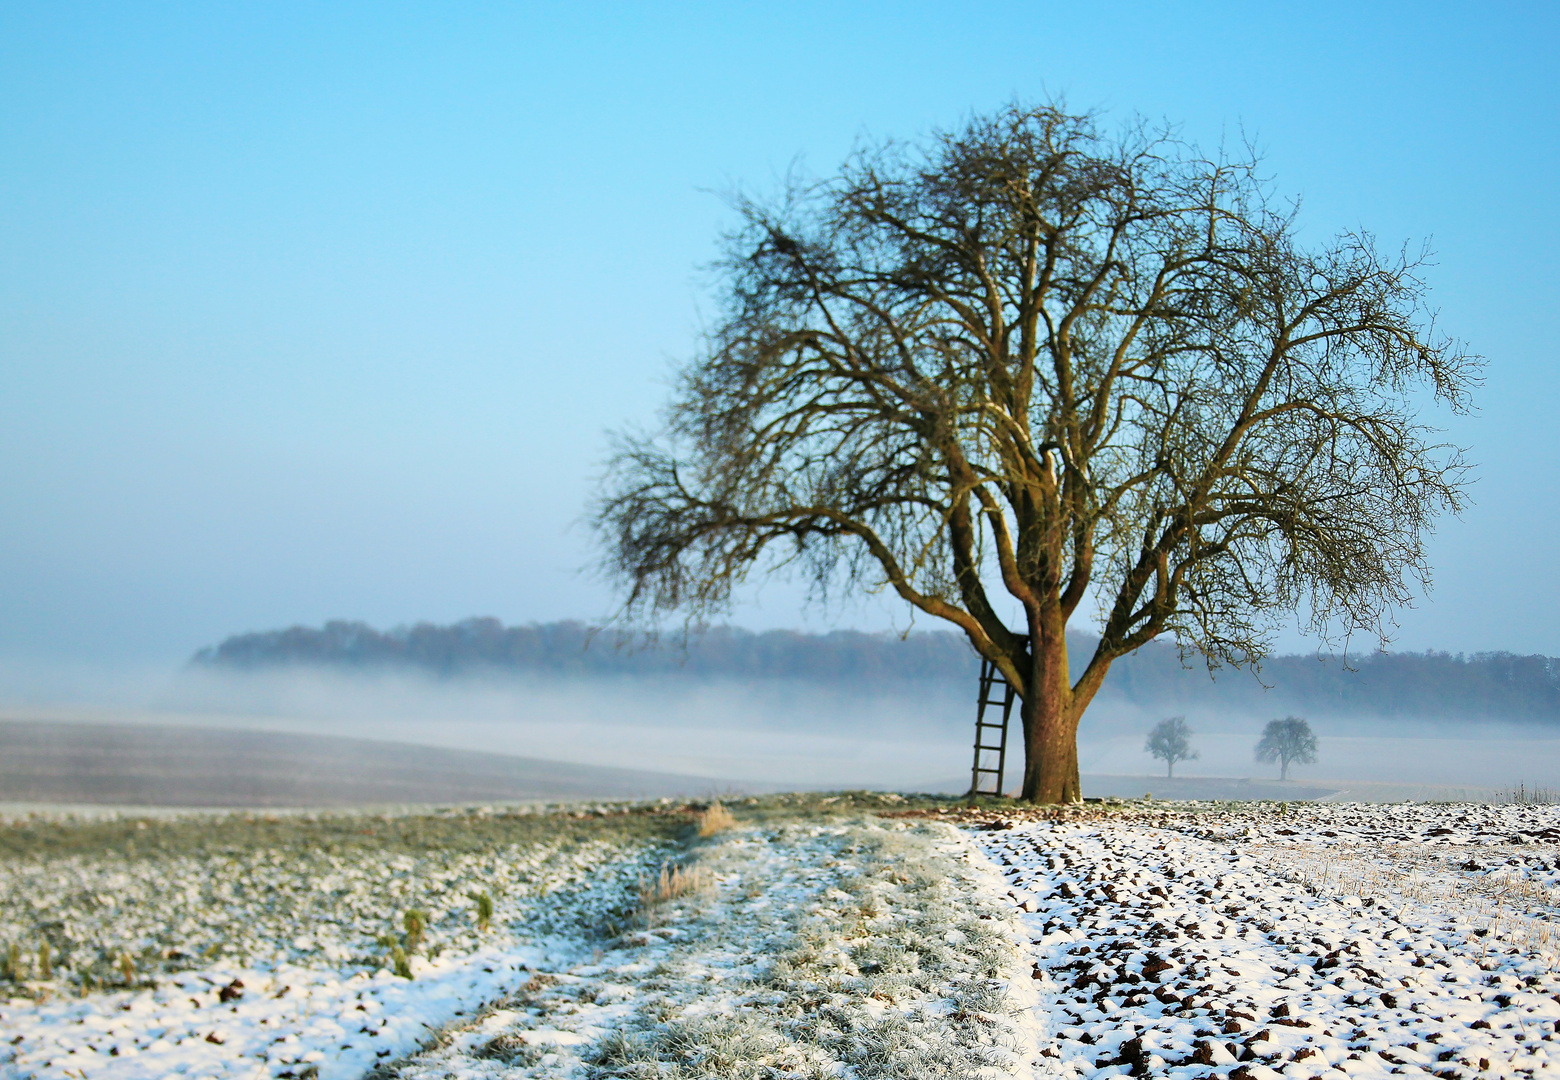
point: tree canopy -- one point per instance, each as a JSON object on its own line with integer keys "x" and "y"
{"x": 1033, "y": 364}
{"x": 1170, "y": 742}
{"x": 1285, "y": 741}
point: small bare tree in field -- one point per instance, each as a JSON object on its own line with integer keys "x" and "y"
{"x": 1286, "y": 740}
{"x": 1171, "y": 741}
{"x": 1037, "y": 358}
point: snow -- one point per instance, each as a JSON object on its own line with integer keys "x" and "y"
{"x": 286, "y": 1017}
{"x": 1182, "y": 940}
{"x": 821, "y": 949}
{"x": 1357, "y": 938}
{"x": 298, "y": 937}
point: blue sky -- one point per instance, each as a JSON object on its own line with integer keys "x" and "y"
{"x": 313, "y": 311}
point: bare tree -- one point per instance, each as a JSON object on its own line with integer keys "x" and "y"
{"x": 1286, "y": 740}
{"x": 1036, "y": 357}
{"x": 1171, "y": 741}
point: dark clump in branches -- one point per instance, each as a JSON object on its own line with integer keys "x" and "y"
{"x": 1037, "y": 358}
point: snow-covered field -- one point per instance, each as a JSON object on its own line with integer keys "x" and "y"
{"x": 244, "y": 945}
{"x": 860, "y": 938}
{"x": 1368, "y": 939}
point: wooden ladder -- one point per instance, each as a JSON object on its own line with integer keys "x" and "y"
{"x": 991, "y": 680}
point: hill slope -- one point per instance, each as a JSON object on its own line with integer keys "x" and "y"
{"x": 135, "y": 765}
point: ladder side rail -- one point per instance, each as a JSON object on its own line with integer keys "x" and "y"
{"x": 986, "y": 668}
{"x": 1007, "y": 712}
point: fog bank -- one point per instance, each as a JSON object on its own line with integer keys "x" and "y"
{"x": 770, "y": 732}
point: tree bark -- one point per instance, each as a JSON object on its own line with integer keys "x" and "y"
{"x": 1050, "y": 754}
{"x": 1050, "y": 721}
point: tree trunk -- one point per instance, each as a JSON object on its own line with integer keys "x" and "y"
{"x": 1050, "y": 724}
{"x": 1170, "y": 771}
{"x": 1050, "y": 755}
{"x": 1283, "y": 768}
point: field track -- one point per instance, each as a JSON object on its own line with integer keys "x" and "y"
{"x": 818, "y": 937}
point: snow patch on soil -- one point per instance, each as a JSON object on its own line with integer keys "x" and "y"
{"x": 1243, "y": 943}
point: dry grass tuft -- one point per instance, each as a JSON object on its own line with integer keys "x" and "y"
{"x": 716, "y": 819}
{"x": 672, "y": 883}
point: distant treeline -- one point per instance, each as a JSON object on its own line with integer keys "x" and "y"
{"x": 1427, "y": 685}
{"x": 573, "y": 648}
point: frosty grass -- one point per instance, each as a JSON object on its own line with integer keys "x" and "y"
{"x": 818, "y": 938}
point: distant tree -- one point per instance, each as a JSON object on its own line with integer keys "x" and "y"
{"x": 1035, "y": 357}
{"x": 1171, "y": 741}
{"x": 1286, "y": 740}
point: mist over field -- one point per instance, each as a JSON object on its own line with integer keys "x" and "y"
{"x": 823, "y": 711}
{"x": 784, "y": 732}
